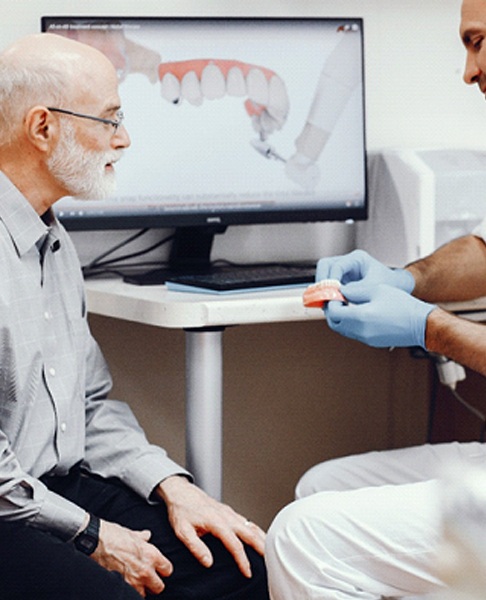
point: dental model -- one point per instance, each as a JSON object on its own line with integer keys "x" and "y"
{"x": 267, "y": 102}
{"x": 317, "y": 294}
{"x": 338, "y": 79}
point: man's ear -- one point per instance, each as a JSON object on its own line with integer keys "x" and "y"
{"x": 41, "y": 128}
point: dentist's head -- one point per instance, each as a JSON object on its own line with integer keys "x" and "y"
{"x": 473, "y": 34}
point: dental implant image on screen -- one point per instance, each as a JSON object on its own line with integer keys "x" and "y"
{"x": 339, "y": 77}
{"x": 267, "y": 102}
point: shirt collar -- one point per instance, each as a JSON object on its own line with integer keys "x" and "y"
{"x": 23, "y": 224}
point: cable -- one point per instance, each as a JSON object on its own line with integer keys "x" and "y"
{"x": 99, "y": 266}
{"x": 116, "y": 247}
{"x": 449, "y": 373}
{"x": 135, "y": 254}
{"x": 473, "y": 410}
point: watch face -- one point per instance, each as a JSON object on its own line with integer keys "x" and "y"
{"x": 87, "y": 544}
{"x": 87, "y": 540}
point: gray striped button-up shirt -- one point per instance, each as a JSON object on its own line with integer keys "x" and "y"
{"x": 54, "y": 410}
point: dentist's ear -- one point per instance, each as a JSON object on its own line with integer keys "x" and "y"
{"x": 41, "y": 128}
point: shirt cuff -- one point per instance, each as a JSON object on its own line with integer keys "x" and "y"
{"x": 144, "y": 474}
{"x": 59, "y": 516}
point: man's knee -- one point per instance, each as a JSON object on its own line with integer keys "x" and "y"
{"x": 346, "y": 473}
{"x": 281, "y": 533}
{"x": 280, "y": 549}
{"x": 308, "y": 483}
{"x": 324, "y": 477}
{"x": 318, "y": 524}
{"x": 34, "y": 564}
{"x": 296, "y": 546}
{"x": 288, "y": 536}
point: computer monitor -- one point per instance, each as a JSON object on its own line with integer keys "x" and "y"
{"x": 233, "y": 121}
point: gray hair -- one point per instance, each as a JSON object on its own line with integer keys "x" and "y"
{"x": 22, "y": 87}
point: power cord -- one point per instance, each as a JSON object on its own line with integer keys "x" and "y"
{"x": 98, "y": 266}
{"x": 449, "y": 374}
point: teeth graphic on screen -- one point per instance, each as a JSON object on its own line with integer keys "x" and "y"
{"x": 191, "y": 89}
{"x": 213, "y": 85}
{"x": 235, "y": 82}
{"x": 257, "y": 85}
{"x": 170, "y": 88}
{"x": 278, "y": 105}
{"x": 194, "y": 80}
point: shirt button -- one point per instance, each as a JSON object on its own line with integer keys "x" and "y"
{"x": 63, "y": 427}
{"x": 47, "y": 316}
{"x": 52, "y": 371}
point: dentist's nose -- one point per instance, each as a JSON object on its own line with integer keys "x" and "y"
{"x": 471, "y": 70}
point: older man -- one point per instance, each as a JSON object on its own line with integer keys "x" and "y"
{"x": 369, "y": 526}
{"x": 88, "y": 508}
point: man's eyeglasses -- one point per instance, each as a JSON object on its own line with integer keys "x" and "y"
{"x": 113, "y": 123}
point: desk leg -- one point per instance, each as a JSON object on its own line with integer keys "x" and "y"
{"x": 204, "y": 408}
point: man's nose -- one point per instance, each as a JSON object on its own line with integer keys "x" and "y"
{"x": 121, "y": 139}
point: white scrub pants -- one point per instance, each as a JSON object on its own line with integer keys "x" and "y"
{"x": 365, "y": 526}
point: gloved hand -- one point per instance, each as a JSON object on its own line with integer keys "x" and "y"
{"x": 379, "y": 315}
{"x": 360, "y": 266}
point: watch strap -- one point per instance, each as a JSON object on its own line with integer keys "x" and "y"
{"x": 87, "y": 540}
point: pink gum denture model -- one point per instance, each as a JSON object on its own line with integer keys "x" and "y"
{"x": 317, "y": 294}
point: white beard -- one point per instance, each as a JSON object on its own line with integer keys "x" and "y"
{"x": 82, "y": 172}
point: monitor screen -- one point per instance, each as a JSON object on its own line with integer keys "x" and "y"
{"x": 231, "y": 120}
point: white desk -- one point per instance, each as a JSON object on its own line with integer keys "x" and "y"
{"x": 204, "y": 318}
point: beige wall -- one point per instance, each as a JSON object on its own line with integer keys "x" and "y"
{"x": 295, "y": 394}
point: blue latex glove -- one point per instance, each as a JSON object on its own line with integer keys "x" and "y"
{"x": 379, "y": 315}
{"x": 360, "y": 266}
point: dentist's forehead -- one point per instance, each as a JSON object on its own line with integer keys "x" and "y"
{"x": 473, "y": 18}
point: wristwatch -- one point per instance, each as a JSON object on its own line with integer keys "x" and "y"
{"x": 87, "y": 540}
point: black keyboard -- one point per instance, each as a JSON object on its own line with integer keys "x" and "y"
{"x": 240, "y": 278}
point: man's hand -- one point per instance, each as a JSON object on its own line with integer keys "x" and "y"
{"x": 130, "y": 553}
{"x": 361, "y": 267}
{"x": 192, "y": 513}
{"x": 380, "y": 316}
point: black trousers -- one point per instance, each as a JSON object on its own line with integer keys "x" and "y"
{"x": 35, "y": 565}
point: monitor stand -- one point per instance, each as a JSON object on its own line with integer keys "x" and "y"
{"x": 190, "y": 253}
